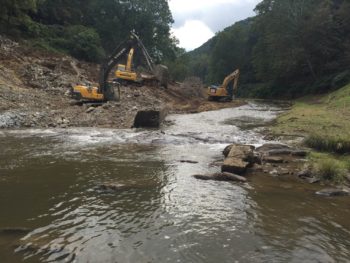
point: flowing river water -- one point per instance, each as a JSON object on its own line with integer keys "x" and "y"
{"x": 52, "y": 210}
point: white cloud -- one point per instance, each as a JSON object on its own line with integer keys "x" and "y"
{"x": 192, "y": 34}
{"x": 215, "y": 15}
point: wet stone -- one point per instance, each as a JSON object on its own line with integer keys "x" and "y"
{"x": 221, "y": 177}
{"x": 238, "y": 159}
{"x": 334, "y": 192}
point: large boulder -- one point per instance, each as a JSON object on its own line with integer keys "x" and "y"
{"x": 239, "y": 159}
{"x": 149, "y": 118}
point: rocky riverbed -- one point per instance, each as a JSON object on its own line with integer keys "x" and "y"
{"x": 102, "y": 194}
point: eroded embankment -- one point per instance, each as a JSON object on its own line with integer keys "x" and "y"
{"x": 34, "y": 92}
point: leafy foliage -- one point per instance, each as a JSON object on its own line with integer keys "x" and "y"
{"x": 89, "y": 28}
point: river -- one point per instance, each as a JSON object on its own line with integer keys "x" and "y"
{"x": 52, "y": 210}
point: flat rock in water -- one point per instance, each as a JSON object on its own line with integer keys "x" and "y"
{"x": 222, "y": 177}
{"x": 278, "y": 152}
{"x": 273, "y": 159}
{"x": 273, "y": 147}
{"x": 300, "y": 153}
{"x": 334, "y": 192}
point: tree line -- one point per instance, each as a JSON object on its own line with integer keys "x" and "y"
{"x": 290, "y": 48}
{"x": 88, "y": 29}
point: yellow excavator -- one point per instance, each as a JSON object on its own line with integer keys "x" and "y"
{"x": 109, "y": 90}
{"x": 225, "y": 91}
{"x": 124, "y": 73}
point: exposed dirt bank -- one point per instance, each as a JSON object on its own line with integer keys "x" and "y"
{"x": 34, "y": 87}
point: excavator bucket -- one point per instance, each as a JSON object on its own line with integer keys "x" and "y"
{"x": 162, "y": 74}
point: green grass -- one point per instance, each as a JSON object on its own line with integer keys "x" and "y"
{"x": 323, "y": 116}
{"x": 328, "y": 143}
{"x": 324, "y": 121}
{"x": 329, "y": 167}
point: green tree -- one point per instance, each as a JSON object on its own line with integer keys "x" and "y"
{"x": 14, "y": 13}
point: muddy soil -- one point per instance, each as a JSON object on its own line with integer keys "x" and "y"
{"x": 35, "y": 85}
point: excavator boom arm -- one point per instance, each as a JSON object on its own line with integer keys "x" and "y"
{"x": 111, "y": 61}
{"x": 130, "y": 58}
{"x": 122, "y": 50}
{"x": 233, "y": 76}
{"x": 144, "y": 51}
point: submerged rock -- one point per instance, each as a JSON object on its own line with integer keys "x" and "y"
{"x": 14, "y": 231}
{"x": 110, "y": 187}
{"x": 188, "y": 161}
{"x": 221, "y": 177}
{"x": 334, "y": 192}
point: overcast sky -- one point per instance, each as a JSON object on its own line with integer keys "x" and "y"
{"x": 196, "y": 21}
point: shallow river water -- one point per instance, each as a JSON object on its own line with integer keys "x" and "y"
{"x": 52, "y": 210}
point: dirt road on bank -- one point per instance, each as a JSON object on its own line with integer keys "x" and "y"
{"x": 34, "y": 92}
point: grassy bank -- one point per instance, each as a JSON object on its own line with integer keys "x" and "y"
{"x": 324, "y": 121}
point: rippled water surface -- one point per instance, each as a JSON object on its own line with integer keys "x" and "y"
{"x": 53, "y": 211}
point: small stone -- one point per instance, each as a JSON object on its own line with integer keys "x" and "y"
{"x": 306, "y": 173}
{"x": 89, "y": 110}
{"x": 274, "y": 172}
{"x": 106, "y": 106}
{"x": 313, "y": 180}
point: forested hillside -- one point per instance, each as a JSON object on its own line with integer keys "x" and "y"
{"x": 87, "y": 29}
{"x": 290, "y": 48}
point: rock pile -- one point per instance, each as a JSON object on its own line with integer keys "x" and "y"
{"x": 241, "y": 160}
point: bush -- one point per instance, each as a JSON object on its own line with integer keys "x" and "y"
{"x": 330, "y": 170}
{"x": 328, "y": 144}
